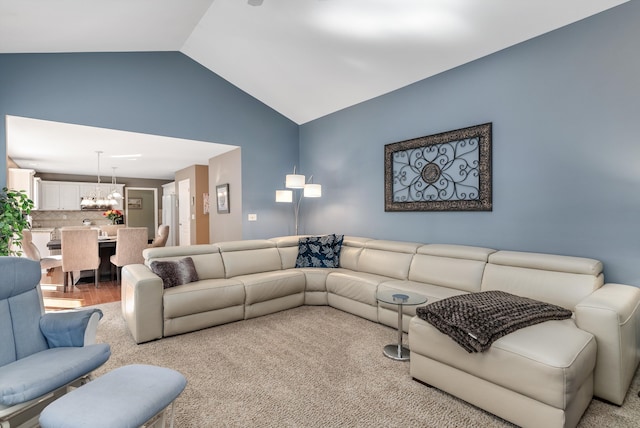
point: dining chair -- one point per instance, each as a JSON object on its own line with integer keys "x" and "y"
{"x": 111, "y": 229}
{"x": 161, "y": 238}
{"x": 31, "y": 251}
{"x": 130, "y": 242}
{"x": 79, "y": 252}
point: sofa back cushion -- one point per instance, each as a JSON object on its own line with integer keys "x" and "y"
{"x": 250, "y": 256}
{"x": 206, "y": 258}
{"x": 288, "y": 249}
{"x": 387, "y": 258}
{"x": 351, "y": 249}
{"x": 453, "y": 266}
{"x": 560, "y": 280}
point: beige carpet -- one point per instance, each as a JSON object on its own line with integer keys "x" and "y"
{"x": 308, "y": 367}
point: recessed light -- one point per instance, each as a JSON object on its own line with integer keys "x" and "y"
{"x": 137, "y": 155}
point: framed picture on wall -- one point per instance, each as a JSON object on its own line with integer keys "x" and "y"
{"x": 222, "y": 198}
{"x": 450, "y": 171}
{"x": 134, "y": 203}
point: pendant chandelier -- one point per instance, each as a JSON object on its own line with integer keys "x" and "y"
{"x": 114, "y": 195}
{"x": 96, "y": 200}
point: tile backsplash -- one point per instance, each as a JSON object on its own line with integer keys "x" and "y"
{"x": 58, "y": 219}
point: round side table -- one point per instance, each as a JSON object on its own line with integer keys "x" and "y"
{"x": 399, "y": 298}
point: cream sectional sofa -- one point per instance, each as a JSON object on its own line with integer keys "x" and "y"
{"x": 542, "y": 375}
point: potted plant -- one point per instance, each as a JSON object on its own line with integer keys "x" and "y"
{"x": 15, "y": 206}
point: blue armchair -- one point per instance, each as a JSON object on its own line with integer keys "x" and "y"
{"x": 41, "y": 355}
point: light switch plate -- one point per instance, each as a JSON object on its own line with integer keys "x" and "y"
{"x": 252, "y": 217}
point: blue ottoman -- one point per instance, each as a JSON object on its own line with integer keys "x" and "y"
{"x": 126, "y": 397}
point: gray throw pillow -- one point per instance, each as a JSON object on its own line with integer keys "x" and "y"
{"x": 175, "y": 272}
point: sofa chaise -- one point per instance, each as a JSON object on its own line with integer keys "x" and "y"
{"x": 541, "y": 375}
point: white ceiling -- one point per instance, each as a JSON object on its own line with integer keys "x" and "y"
{"x": 303, "y": 58}
{"x": 53, "y": 147}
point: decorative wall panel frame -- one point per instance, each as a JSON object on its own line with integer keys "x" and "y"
{"x": 450, "y": 171}
{"x": 222, "y": 198}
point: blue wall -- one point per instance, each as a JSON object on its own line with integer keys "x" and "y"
{"x": 565, "y": 109}
{"x": 163, "y": 93}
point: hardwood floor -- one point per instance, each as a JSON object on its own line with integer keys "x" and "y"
{"x": 84, "y": 293}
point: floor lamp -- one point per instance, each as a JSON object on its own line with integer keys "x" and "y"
{"x": 299, "y": 186}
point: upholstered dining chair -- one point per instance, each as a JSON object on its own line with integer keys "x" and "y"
{"x": 79, "y": 252}
{"x": 32, "y": 252}
{"x": 111, "y": 229}
{"x": 129, "y": 245}
{"x": 161, "y": 238}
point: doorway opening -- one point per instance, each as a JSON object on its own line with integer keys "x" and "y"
{"x": 141, "y": 209}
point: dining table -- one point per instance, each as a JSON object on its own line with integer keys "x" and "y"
{"x": 106, "y": 248}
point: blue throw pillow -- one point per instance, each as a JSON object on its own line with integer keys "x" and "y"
{"x": 319, "y": 251}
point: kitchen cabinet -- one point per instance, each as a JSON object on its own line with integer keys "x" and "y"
{"x": 59, "y": 195}
{"x": 21, "y": 179}
{"x": 65, "y": 195}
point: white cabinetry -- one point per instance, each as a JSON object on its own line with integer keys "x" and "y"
{"x": 69, "y": 196}
{"x": 64, "y": 195}
{"x": 58, "y": 195}
{"x": 21, "y": 179}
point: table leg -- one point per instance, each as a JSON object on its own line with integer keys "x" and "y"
{"x": 397, "y": 351}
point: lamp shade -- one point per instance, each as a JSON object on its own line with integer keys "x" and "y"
{"x": 312, "y": 190}
{"x": 284, "y": 196}
{"x": 87, "y": 202}
{"x": 295, "y": 181}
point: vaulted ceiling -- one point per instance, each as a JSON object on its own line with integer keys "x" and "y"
{"x": 303, "y": 58}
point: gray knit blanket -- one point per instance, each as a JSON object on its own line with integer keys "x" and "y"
{"x": 476, "y": 320}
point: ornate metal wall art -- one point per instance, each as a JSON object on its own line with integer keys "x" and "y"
{"x": 450, "y": 171}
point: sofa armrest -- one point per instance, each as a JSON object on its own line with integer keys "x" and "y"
{"x": 141, "y": 300}
{"x": 612, "y": 315}
{"x": 70, "y": 328}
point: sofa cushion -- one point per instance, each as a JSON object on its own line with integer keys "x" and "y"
{"x": 450, "y": 272}
{"x": 202, "y": 296}
{"x": 175, "y": 272}
{"x": 319, "y": 251}
{"x": 288, "y": 249}
{"x": 272, "y": 285}
{"x": 249, "y": 257}
{"x": 559, "y": 288}
{"x": 547, "y": 362}
{"x": 31, "y": 377}
{"x": 387, "y": 258}
{"x": 358, "y": 286}
{"x": 206, "y": 258}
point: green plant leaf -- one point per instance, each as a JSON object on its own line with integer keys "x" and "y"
{"x": 15, "y": 206}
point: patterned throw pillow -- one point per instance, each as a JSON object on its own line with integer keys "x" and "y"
{"x": 175, "y": 272}
{"x": 319, "y": 251}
